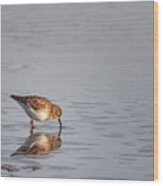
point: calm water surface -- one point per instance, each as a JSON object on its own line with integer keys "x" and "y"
{"x": 97, "y": 64}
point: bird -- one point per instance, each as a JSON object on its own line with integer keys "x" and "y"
{"x": 39, "y": 109}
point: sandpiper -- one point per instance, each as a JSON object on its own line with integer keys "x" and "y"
{"x": 39, "y": 109}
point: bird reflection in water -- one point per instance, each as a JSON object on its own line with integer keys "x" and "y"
{"x": 40, "y": 143}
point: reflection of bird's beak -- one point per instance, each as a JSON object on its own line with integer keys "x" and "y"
{"x": 60, "y": 131}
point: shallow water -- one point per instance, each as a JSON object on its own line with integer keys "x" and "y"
{"x": 97, "y": 64}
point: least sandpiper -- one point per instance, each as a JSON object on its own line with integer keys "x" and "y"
{"x": 39, "y": 109}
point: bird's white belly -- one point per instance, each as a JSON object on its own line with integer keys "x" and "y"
{"x": 40, "y": 115}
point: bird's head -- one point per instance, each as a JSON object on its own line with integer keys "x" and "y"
{"x": 56, "y": 112}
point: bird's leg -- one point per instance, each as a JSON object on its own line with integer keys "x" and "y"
{"x": 32, "y": 127}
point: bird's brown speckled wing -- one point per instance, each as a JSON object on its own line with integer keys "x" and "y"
{"x": 37, "y": 103}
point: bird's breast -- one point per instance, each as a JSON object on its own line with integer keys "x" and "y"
{"x": 40, "y": 115}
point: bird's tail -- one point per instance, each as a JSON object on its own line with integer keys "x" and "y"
{"x": 16, "y": 98}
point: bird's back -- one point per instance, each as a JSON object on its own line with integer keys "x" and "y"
{"x": 36, "y": 107}
{"x": 34, "y": 101}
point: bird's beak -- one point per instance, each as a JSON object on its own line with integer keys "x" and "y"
{"x": 60, "y": 123}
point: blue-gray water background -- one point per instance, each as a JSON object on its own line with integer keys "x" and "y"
{"x": 96, "y": 61}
